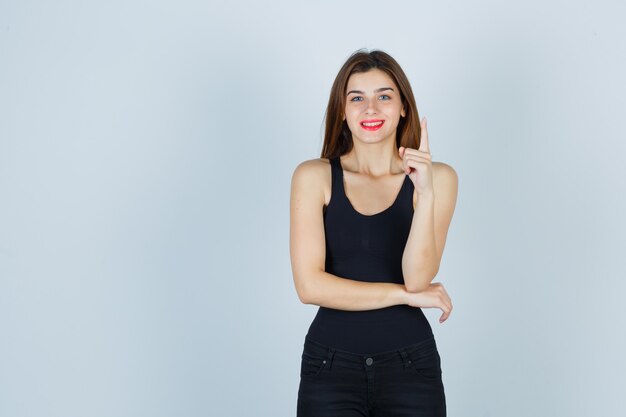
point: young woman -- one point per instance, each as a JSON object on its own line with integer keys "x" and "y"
{"x": 368, "y": 225}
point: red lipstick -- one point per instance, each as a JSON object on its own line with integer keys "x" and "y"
{"x": 374, "y": 124}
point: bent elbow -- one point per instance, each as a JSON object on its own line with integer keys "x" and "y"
{"x": 304, "y": 294}
{"x": 421, "y": 283}
{"x": 306, "y": 285}
{"x": 303, "y": 299}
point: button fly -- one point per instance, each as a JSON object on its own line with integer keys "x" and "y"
{"x": 369, "y": 361}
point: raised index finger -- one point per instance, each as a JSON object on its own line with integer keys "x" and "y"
{"x": 424, "y": 137}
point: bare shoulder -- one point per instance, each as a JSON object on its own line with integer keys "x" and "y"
{"x": 444, "y": 174}
{"x": 313, "y": 177}
{"x": 310, "y": 166}
{"x": 311, "y": 171}
{"x": 445, "y": 187}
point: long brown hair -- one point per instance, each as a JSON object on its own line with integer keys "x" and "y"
{"x": 337, "y": 137}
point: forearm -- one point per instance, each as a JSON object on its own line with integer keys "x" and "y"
{"x": 419, "y": 260}
{"x": 328, "y": 290}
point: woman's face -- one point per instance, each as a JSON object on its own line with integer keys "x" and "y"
{"x": 372, "y": 97}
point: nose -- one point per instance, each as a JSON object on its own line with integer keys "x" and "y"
{"x": 371, "y": 107}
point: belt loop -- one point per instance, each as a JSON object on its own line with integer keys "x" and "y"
{"x": 331, "y": 354}
{"x": 405, "y": 358}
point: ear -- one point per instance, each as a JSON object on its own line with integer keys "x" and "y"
{"x": 402, "y": 112}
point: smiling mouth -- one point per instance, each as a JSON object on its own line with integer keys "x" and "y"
{"x": 373, "y": 125}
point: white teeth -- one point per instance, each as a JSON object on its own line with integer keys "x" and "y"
{"x": 372, "y": 124}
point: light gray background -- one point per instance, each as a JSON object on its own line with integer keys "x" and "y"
{"x": 146, "y": 153}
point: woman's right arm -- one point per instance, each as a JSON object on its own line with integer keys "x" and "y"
{"x": 307, "y": 246}
{"x": 308, "y": 251}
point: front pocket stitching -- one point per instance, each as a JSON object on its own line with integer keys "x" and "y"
{"x": 319, "y": 363}
{"x": 311, "y": 357}
{"x": 420, "y": 370}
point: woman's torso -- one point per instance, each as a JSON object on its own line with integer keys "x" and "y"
{"x": 367, "y": 248}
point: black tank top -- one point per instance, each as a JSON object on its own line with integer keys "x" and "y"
{"x": 367, "y": 248}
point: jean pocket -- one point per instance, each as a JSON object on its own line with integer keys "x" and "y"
{"x": 311, "y": 365}
{"x": 427, "y": 364}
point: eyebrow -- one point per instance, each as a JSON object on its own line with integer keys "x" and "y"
{"x": 378, "y": 90}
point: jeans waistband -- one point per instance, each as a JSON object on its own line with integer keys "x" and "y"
{"x": 423, "y": 347}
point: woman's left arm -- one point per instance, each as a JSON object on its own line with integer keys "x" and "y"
{"x": 435, "y": 185}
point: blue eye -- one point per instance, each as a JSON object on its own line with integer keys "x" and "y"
{"x": 385, "y": 95}
{"x": 355, "y": 97}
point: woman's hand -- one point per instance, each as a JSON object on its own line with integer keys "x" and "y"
{"x": 417, "y": 163}
{"x": 434, "y": 296}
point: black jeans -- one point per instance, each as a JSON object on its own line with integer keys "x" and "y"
{"x": 399, "y": 383}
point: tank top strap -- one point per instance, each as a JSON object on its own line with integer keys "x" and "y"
{"x": 405, "y": 199}
{"x": 337, "y": 176}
